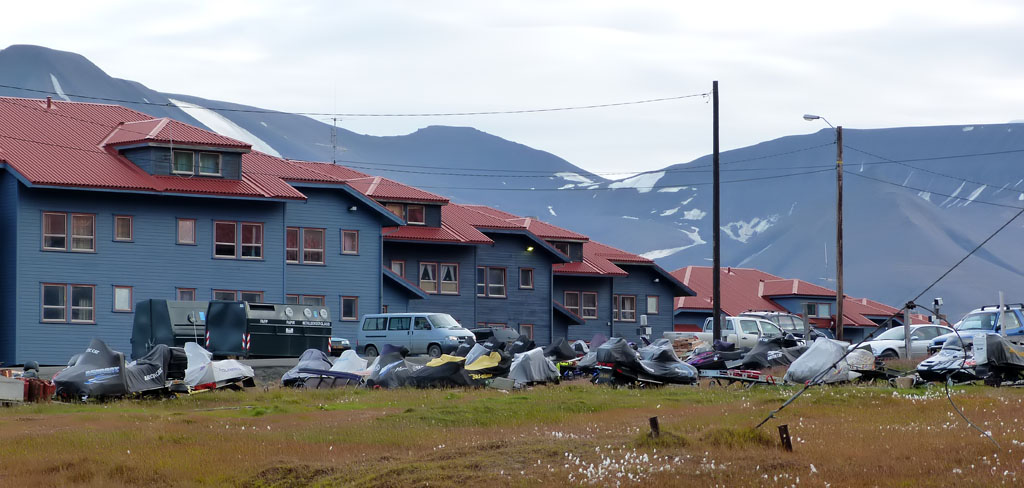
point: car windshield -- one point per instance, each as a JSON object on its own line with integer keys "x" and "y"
{"x": 978, "y": 321}
{"x": 443, "y": 321}
{"x": 894, "y": 334}
{"x": 771, "y": 330}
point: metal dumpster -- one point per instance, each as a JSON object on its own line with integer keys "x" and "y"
{"x": 167, "y": 322}
{"x": 265, "y": 329}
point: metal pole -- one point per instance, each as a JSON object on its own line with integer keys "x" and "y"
{"x": 840, "y": 297}
{"x": 716, "y": 280}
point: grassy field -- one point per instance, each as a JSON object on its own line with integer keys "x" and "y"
{"x": 574, "y": 434}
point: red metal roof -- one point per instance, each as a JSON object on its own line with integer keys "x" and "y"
{"x": 781, "y": 287}
{"x": 599, "y": 259}
{"x": 739, "y": 287}
{"x": 457, "y": 226}
{"x": 168, "y": 131}
{"x": 61, "y": 146}
{"x": 383, "y": 189}
{"x": 547, "y": 231}
{"x": 335, "y": 171}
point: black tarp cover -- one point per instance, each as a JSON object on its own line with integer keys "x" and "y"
{"x": 660, "y": 362}
{"x": 492, "y": 365}
{"x": 520, "y": 345}
{"x": 391, "y": 370}
{"x": 311, "y": 359}
{"x": 560, "y": 351}
{"x": 98, "y": 372}
{"x": 150, "y": 371}
{"x": 1000, "y": 353}
{"x": 771, "y": 353}
{"x": 617, "y": 351}
{"x": 597, "y": 341}
{"x": 444, "y": 371}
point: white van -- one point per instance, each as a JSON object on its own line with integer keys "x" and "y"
{"x": 422, "y": 333}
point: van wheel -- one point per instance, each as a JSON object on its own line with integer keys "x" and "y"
{"x": 370, "y": 352}
{"x": 434, "y": 351}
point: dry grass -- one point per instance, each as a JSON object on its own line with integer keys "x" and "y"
{"x": 575, "y": 434}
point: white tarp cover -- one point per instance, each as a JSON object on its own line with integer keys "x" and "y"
{"x": 532, "y": 367}
{"x": 349, "y": 362}
{"x": 819, "y": 358}
{"x": 202, "y": 370}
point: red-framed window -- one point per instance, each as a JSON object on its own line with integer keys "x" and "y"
{"x": 225, "y": 239}
{"x": 526, "y": 278}
{"x": 527, "y": 330}
{"x": 449, "y": 277}
{"x": 313, "y": 246}
{"x": 122, "y": 298}
{"x": 226, "y": 295}
{"x": 251, "y": 296}
{"x": 626, "y": 310}
{"x": 83, "y": 232}
{"x": 428, "y": 277}
{"x": 68, "y": 303}
{"x": 572, "y": 301}
{"x": 349, "y": 308}
{"x": 615, "y": 307}
{"x": 55, "y": 231}
{"x": 490, "y": 282}
{"x": 291, "y": 245}
{"x": 652, "y": 304}
{"x": 187, "y": 232}
{"x": 186, "y": 294}
{"x": 310, "y": 300}
{"x": 123, "y": 231}
{"x": 415, "y": 214}
{"x": 252, "y": 240}
{"x": 588, "y": 306}
{"x": 350, "y": 242}
{"x": 398, "y": 266}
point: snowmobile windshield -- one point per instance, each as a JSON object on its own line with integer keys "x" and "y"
{"x": 443, "y": 321}
{"x": 978, "y": 321}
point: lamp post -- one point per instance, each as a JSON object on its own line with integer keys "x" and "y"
{"x": 839, "y": 222}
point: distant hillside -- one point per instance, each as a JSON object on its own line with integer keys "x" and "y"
{"x": 897, "y": 240}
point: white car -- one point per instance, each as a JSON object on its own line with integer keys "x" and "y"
{"x": 890, "y": 344}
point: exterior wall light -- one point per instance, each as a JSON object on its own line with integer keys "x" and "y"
{"x": 529, "y": 248}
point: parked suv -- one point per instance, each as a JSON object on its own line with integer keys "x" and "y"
{"x": 745, "y": 332}
{"x": 422, "y": 333}
{"x": 789, "y": 323}
{"x": 985, "y": 319}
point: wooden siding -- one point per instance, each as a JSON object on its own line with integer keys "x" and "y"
{"x": 157, "y": 161}
{"x": 521, "y": 306}
{"x": 9, "y": 188}
{"x": 396, "y": 299}
{"x": 640, "y": 283}
{"x": 603, "y": 287}
{"x": 461, "y": 306}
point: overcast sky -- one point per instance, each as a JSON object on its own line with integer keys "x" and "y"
{"x": 864, "y": 64}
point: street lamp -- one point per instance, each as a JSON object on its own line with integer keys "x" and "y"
{"x": 839, "y": 222}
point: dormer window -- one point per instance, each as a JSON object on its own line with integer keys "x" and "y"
{"x": 562, "y": 247}
{"x": 185, "y": 163}
{"x": 415, "y": 214}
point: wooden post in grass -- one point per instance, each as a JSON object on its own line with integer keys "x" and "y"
{"x": 787, "y": 442}
{"x": 655, "y": 430}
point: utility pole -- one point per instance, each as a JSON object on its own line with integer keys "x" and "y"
{"x": 840, "y": 297}
{"x": 716, "y": 281}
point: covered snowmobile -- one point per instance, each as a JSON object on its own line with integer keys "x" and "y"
{"x": 100, "y": 372}
{"x": 203, "y": 373}
{"x": 815, "y": 364}
{"x": 532, "y": 367}
{"x": 493, "y": 364}
{"x": 560, "y": 351}
{"x": 311, "y": 363}
{"x": 998, "y": 359}
{"x": 349, "y": 362}
{"x": 522, "y": 344}
{"x": 440, "y": 372}
{"x": 662, "y": 363}
{"x": 391, "y": 369}
{"x": 620, "y": 364}
{"x": 770, "y": 353}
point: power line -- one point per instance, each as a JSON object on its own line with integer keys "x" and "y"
{"x": 926, "y": 170}
{"x": 932, "y": 192}
{"x": 337, "y": 114}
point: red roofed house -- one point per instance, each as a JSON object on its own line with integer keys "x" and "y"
{"x": 745, "y": 289}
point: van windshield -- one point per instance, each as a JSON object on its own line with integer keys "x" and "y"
{"x": 978, "y": 321}
{"x": 443, "y": 321}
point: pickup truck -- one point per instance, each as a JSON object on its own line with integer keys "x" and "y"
{"x": 745, "y": 332}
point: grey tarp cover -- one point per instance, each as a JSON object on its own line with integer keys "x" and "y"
{"x": 817, "y": 360}
{"x": 98, "y": 372}
{"x": 349, "y": 362}
{"x": 661, "y": 363}
{"x": 589, "y": 360}
{"x": 532, "y": 367}
{"x": 596, "y": 341}
{"x": 313, "y": 359}
{"x": 998, "y": 353}
{"x": 203, "y": 370}
{"x": 150, "y": 371}
{"x": 391, "y": 370}
{"x": 560, "y": 351}
{"x": 770, "y": 353}
{"x": 580, "y": 346}
{"x": 617, "y": 351}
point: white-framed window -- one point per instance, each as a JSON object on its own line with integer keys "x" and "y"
{"x": 123, "y": 228}
{"x": 83, "y": 304}
{"x": 652, "y": 304}
{"x": 572, "y": 301}
{"x": 225, "y": 239}
{"x": 310, "y": 300}
{"x": 627, "y": 308}
{"x": 122, "y": 298}
{"x": 187, "y": 231}
{"x": 313, "y": 246}
{"x": 54, "y": 302}
{"x": 186, "y": 294}
{"x": 527, "y": 330}
{"x": 209, "y": 164}
{"x": 83, "y": 232}
{"x": 589, "y": 306}
{"x": 449, "y": 278}
{"x": 398, "y": 266}
{"x": 490, "y": 282}
{"x": 428, "y": 277}
{"x": 526, "y": 278}
{"x": 615, "y": 307}
{"x": 415, "y": 214}
{"x": 183, "y": 163}
{"x": 350, "y": 242}
{"x": 252, "y": 241}
{"x": 55, "y": 231}
{"x": 349, "y": 308}
{"x": 822, "y": 310}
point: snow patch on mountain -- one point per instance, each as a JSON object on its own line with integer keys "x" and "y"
{"x": 687, "y": 201}
{"x": 224, "y": 126}
{"x": 630, "y": 217}
{"x": 743, "y": 231}
{"x": 953, "y": 197}
{"x": 926, "y": 195}
{"x": 695, "y": 240}
{"x": 551, "y": 210}
{"x": 567, "y": 186}
{"x": 966, "y": 129}
{"x": 791, "y": 208}
{"x": 671, "y": 189}
{"x": 57, "y": 88}
{"x": 694, "y": 214}
{"x": 669, "y": 212}
{"x": 974, "y": 194}
{"x": 643, "y": 183}
{"x": 756, "y": 254}
{"x": 578, "y": 178}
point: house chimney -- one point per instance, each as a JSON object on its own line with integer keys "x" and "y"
{"x": 760, "y": 288}
{"x": 49, "y": 103}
